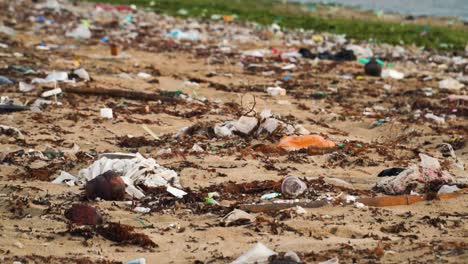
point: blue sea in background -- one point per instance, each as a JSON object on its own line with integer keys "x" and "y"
{"x": 455, "y": 8}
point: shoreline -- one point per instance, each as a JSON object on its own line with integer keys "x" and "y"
{"x": 431, "y": 33}
{"x": 362, "y": 7}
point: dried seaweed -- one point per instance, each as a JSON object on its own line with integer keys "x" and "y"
{"x": 125, "y": 235}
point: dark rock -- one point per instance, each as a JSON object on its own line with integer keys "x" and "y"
{"x": 83, "y": 214}
{"x": 108, "y": 186}
{"x": 373, "y": 68}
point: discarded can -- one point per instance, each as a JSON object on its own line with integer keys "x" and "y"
{"x": 293, "y": 186}
{"x": 114, "y": 49}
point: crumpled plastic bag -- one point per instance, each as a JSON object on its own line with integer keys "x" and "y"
{"x": 135, "y": 169}
{"x": 81, "y": 32}
{"x": 52, "y": 77}
{"x": 264, "y": 123}
{"x": 184, "y": 35}
{"x": 258, "y": 254}
{"x": 416, "y": 177}
{"x": 361, "y": 52}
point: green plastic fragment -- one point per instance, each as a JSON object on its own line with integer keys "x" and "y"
{"x": 363, "y": 60}
{"x": 209, "y": 200}
{"x": 380, "y": 62}
{"x": 22, "y": 69}
{"x": 85, "y": 22}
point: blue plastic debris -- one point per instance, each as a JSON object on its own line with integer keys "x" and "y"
{"x": 4, "y": 80}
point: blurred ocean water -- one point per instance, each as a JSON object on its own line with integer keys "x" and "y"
{"x": 457, "y": 8}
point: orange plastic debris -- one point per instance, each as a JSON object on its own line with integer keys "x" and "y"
{"x": 383, "y": 201}
{"x": 228, "y": 18}
{"x": 301, "y": 142}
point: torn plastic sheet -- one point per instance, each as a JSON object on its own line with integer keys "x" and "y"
{"x": 135, "y": 170}
{"x": 265, "y": 123}
{"x": 258, "y": 254}
{"x": 53, "y": 77}
{"x": 416, "y": 176}
{"x": 16, "y": 131}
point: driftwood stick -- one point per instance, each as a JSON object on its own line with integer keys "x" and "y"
{"x": 119, "y": 93}
{"x": 382, "y": 201}
{"x": 268, "y": 207}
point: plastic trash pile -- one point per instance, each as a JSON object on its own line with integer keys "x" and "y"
{"x": 135, "y": 170}
{"x": 416, "y": 178}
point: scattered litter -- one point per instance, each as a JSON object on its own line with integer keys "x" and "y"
{"x": 143, "y": 75}
{"x": 137, "y": 261}
{"x": 292, "y": 143}
{"x": 183, "y": 35}
{"x": 80, "y": 32}
{"x": 237, "y": 217}
{"x": 275, "y": 91}
{"x": 82, "y": 73}
{"x": 53, "y": 77}
{"x": 5, "y": 81}
{"x": 9, "y": 130}
{"x": 436, "y": 119}
{"x": 390, "y": 73}
{"x": 448, "y": 189}
{"x": 143, "y": 210}
{"x": 293, "y": 187}
{"x": 106, "y": 113}
{"x": 6, "y": 106}
{"x": 450, "y": 84}
{"x": 269, "y": 196}
{"x": 135, "y": 169}
{"x": 176, "y": 192}
{"x": 197, "y": 148}
{"x": 259, "y": 254}
{"x": 331, "y": 261}
{"x": 52, "y": 92}
{"x": 24, "y": 87}
{"x": 417, "y": 177}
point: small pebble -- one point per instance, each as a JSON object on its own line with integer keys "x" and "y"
{"x": 18, "y": 244}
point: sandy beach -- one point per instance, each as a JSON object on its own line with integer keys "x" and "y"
{"x": 220, "y": 71}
